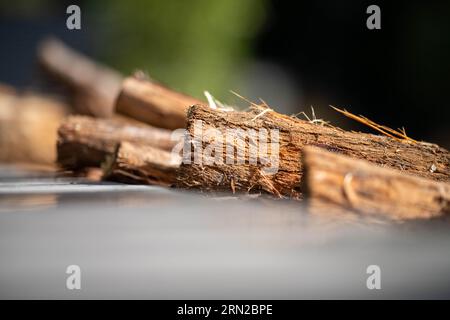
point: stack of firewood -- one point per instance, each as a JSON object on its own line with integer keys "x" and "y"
{"x": 130, "y": 129}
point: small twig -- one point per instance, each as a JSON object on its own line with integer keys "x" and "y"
{"x": 314, "y": 119}
{"x": 399, "y": 134}
{"x": 245, "y": 99}
{"x": 261, "y": 113}
{"x": 210, "y": 99}
{"x": 216, "y": 104}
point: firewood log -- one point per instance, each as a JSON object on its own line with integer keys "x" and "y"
{"x": 334, "y": 183}
{"x": 28, "y": 127}
{"x": 85, "y": 141}
{"x": 278, "y": 169}
{"x": 140, "y": 164}
{"x": 92, "y": 86}
{"x": 150, "y": 102}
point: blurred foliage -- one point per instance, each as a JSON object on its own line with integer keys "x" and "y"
{"x": 191, "y": 45}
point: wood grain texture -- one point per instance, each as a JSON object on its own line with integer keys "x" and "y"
{"x": 140, "y": 164}
{"x": 334, "y": 183}
{"x": 85, "y": 141}
{"x": 153, "y": 103}
{"x": 419, "y": 159}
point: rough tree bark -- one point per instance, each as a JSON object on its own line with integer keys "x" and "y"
{"x": 140, "y": 164}
{"x": 93, "y": 87}
{"x": 153, "y": 103}
{"x": 85, "y": 141}
{"x": 335, "y": 183}
{"x": 420, "y": 159}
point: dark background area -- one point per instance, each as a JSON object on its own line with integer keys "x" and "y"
{"x": 397, "y": 76}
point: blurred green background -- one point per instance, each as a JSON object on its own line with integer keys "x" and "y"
{"x": 191, "y": 45}
{"x": 292, "y": 54}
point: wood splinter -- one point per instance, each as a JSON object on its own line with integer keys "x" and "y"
{"x": 139, "y": 164}
{"x": 86, "y": 141}
{"x": 335, "y": 183}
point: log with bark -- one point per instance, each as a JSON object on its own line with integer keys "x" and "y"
{"x": 150, "y": 102}
{"x": 93, "y": 87}
{"x": 334, "y": 183}
{"x": 28, "y": 127}
{"x": 85, "y": 141}
{"x": 141, "y": 164}
{"x": 279, "y": 169}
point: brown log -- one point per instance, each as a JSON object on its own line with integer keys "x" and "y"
{"x": 140, "y": 164}
{"x": 85, "y": 141}
{"x": 93, "y": 87}
{"x": 153, "y": 103}
{"x": 420, "y": 159}
{"x": 28, "y": 127}
{"x": 336, "y": 183}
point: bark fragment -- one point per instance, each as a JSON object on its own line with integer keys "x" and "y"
{"x": 335, "y": 183}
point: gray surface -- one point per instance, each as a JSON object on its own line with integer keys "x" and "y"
{"x": 150, "y": 242}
